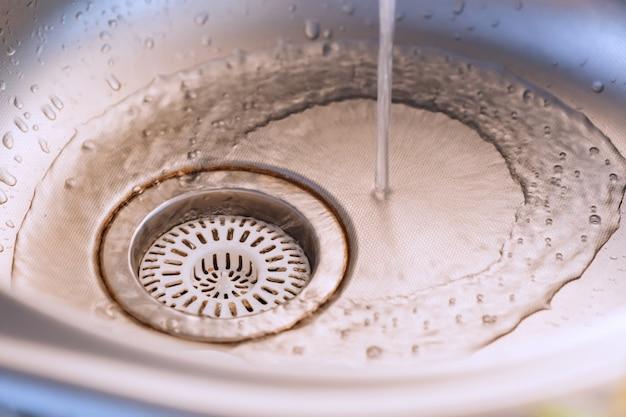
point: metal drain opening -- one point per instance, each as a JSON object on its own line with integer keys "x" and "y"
{"x": 223, "y": 255}
{"x": 224, "y": 267}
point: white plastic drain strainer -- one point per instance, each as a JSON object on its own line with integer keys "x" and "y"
{"x": 224, "y": 267}
{"x": 223, "y": 255}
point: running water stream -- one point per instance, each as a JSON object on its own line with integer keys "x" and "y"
{"x": 385, "y": 58}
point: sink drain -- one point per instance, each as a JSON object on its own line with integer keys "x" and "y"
{"x": 224, "y": 267}
{"x": 223, "y": 255}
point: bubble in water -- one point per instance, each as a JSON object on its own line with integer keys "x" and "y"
{"x": 7, "y": 140}
{"x": 7, "y": 178}
{"x": 311, "y": 29}
{"x": 113, "y": 82}
{"x": 43, "y": 145}
{"x": 201, "y": 18}
{"x": 597, "y": 86}
{"x": 21, "y": 125}
{"x": 3, "y": 197}
{"x": 595, "y": 219}
{"x": 458, "y": 7}
{"x": 373, "y": 352}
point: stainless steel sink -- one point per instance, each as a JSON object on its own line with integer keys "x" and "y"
{"x": 104, "y": 139}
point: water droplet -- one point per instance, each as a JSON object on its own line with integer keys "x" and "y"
{"x": 148, "y": 43}
{"x": 113, "y": 82}
{"x": 112, "y": 23}
{"x": 613, "y": 258}
{"x": 26, "y": 115}
{"x": 201, "y": 19}
{"x": 9, "y": 224}
{"x": 548, "y": 241}
{"x": 106, "y": 48}
{"x": 594, "y": 151}
{"x": 547, "y": 130}
{"x": 559, "y": 256}
{"x": 88, "y": 145}
{"x": 613, "y": 178}
{"x": 495, "y": 23}
{"x": 348, "y": 8}
{"x": 548, "y": 222}
{"x": 558, "y": 169}
{"x": 43, "y": 145}
{"x": 3, "y": 85}
{"x": 373, "y": 352}
{"x": 48, "y": 112}
{"x": 577, "y": 173}
{"x": 597, "y": 86}
{"x": 1, "y": 248}
{"x": 172, "y": 326}
{"x": 311, "y": 29}
{"x": 193, "y": 154}
{"x": 7, "y": 178}
{"x": 3, "y": 197}
{"x": 292, "y": 8}
{"x": 514, "y": 115}
{"x": 21, "y": 125}
{"x": 17, "y": 103}
{"x": 7, "y": 140}
{"x": 583, "y": 238}
{"x": 70, "y": 183}
{"x": 107, "y": 311}
{"x": 10, "y": 51}
{"x": 595, "y": 219}
{"x": 18, "y": 159}
{"x": 562, "y": 156}
{"x": 327, "y": 33}
{"x": 105, "y": 35}
{"x": 458, "y": 6}
{"x": 34, "y": 88}
{"x": 520, "y": 240}
{"x": 297, "y": 350}
{"x": 480, "y": 298}
{"x": 56, "y": 102}
{"x": 489, "y": 319}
